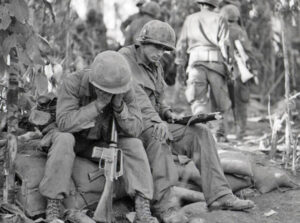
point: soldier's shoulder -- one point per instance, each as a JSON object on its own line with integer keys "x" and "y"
{"x": 127, "y": 51}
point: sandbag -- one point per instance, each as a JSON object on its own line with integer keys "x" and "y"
{"x": 30, "y": 168}
{"x": 267, "y": 179}
{"x": 189, "y": 173}
{"x": 237, "y": 183}
{"x": 82, "y": 167}
{"x": 235, "y": 163}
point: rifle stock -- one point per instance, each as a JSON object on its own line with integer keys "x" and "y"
{"x": 103, "y": 212}
{"x": 199, "y": 118}
{"x": 111, "y": 163}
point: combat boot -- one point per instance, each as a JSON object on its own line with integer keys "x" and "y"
{"x": 53, "y": 210}
{"x": 142, "y": 209}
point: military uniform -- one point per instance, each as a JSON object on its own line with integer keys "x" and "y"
{"x": 197, "y": 142}
{"x": 204, "y": 40}
{"x": 82, "y": 127}
{"x": 151, "y": 10}
{"x": 241, "y": 90}
{"x": 135, "y": 28}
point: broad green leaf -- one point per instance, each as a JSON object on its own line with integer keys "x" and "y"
{"x": 41, "y": 83}
{"x": 2, "y": 67}
{"x": 23, "y": 29}
{"x": 8, "y": 43}
{"x": 19, "y": 9}
{"x": 33, "y": 50}
{"x": 5, "y": 19}
{"x": 3, "y": 35}
{"x": 23, "y": 57}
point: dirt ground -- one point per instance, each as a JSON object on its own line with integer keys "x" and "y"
{"x": 272, "y": 207}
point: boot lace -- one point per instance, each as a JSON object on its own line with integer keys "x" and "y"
{"x": 143, "y": 212}
{"x": 53, "y": 209}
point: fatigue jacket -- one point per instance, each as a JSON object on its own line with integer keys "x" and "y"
{"x": 149, "y": 87}
{"x": 205, "y": 31}
{"x": 76, "y": 111}
{"x": 130, "y": 19}
{"x": 135, "y": 28}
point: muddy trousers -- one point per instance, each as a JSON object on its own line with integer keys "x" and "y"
{"x": 163, "y": 169}
{"x": 197, "y": 143}
{"x": 56, "y": 181}
{"x": 200, "y": 80}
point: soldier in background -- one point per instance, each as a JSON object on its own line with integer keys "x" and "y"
{"x": 130, "y": 19}
{"x": 204, "y": 44}
{"x": 151, "y": 11}
{"x": 241, "y": 88}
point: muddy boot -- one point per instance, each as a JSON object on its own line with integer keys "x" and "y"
{"x": 172, "y": 215}
{"x": 231, "y": 202}
{"x": 53, "y": 211}
{"x": 143, "y": 213}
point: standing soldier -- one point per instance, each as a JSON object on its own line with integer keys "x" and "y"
{"x": 196, "y": 141}
{"x": 133, "y": 17}
{"x": 87, "y": 100}
{"x": 241, "y": 89}
{"x": 151, "y": 10}
{"x": 204, "y": 40}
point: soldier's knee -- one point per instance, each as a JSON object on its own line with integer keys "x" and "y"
{"x": 64, "y": 137}
{"x": 65, "y": 141}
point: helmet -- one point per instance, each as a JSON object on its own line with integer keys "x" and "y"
{"x": 110, "y": 72}
{"x": 237, "y": 3}
{"x": 151, "y": 8}
{"x": 213, "y": 3}
{"x": 159, "y": 33}
{"x": 140, "y": 3}
{"x": 231, "y": 13}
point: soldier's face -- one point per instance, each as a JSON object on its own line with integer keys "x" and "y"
{"x": 152, "y": 53}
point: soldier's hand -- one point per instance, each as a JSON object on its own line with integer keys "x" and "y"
{"x": 171, "y": 117}
{"x": 117, "y": 102}
{"x": 161, "y": 131}
{"x": 103, "y": 98}
{"x": 181, "y": 74}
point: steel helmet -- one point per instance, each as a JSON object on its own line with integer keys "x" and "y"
{"x": 140, "y": 3}
{"x": 231, "y": 13}
{"x": 213, "y": 3}
{"x": 237, "y": 3}
{"x": 159, "y": 33}
{"x": 151, "y": 8}
{"x": 110, "y": 72}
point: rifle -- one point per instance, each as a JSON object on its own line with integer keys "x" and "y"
{"x": 111, "y": 163}
{"x": 199, "y": 118}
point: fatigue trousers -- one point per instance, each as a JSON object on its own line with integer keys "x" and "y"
{"x": 61, "y": 155}
{"x": 163, "y": 169}
{"x": 197, "y": 143}
{"x": 199, "y": 80}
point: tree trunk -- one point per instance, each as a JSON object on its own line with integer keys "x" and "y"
{"x": 10, "y": 151}
{"x": 287, "y": 89}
